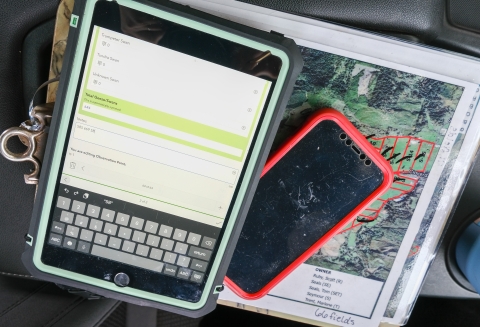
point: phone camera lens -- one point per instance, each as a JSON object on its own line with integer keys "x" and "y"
{"x": 343, "y": 136}
{"x": 362, "y": 156}
{"x": 368, "y": 162}
{"x": 349, "y": 142}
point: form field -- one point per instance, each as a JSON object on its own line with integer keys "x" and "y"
{"x": 155, "y": 153}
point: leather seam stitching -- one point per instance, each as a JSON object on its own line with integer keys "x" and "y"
{"x": 16, "y": 275}
{"x": 23, "y": 299}
{"x": 107, "y": 314}
{"x": 62, "y": 313}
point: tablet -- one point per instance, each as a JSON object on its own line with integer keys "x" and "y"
{"x": 162, "y": 124}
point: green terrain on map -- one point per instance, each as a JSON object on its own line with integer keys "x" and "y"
{"x": 380, "y": 101}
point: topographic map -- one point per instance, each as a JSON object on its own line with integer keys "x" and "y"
{"x": 404, "y": 116}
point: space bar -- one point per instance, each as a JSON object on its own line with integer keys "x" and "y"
{"x": 126, "y": 258}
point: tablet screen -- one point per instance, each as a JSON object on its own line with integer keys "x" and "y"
{"x": 162, "y": 126}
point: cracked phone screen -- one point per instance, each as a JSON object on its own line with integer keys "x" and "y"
{"x": 314, "y": 186}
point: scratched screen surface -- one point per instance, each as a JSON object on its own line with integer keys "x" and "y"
{"x": 314, "y": 186}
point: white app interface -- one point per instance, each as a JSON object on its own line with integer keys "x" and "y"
{"x": 160, "y": 128}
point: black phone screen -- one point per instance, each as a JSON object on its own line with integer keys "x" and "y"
{"x": 316, "y": 184}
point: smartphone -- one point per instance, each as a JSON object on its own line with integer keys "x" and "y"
{"x": 162, "y": 125}
{"x": 314, "y": 185}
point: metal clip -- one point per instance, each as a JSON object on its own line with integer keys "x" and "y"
{"x": 33, "y": 134}
{"x": 34, "y": 140}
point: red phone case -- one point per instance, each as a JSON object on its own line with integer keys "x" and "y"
{"x": 367, "y": 148}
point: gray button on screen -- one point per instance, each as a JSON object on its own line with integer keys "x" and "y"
{"x": 128, "y": 246}
{"x": 208, "y": 243}
{"x": 81, "y": 221}
{"x": 170, "y": 257}
{"x": 125, "y": 233}
{"x": 137, "y": 223}
{"x": 170, "y": 270}
{"x": 184, "y": 273}
{"x": 151, "y": 227}
{"x": 193, "y": 239}
{"x": 110, "y": 229}
{"x": 63, "y": 203}
{"x": 153, "y": 240}
{"x": 165, "y": 231}
{"x": 96, "y": 225}
{"x": 83, "y": 246}
{"x": 139, "y": 236}
{"x": 114, "y": 242}
{"x": 107, "y": 215}
{"x": 66, "y": 217}
{"x": 179, "y": 235}
{"x": 181, "y": 248}
{"x": 93, "y": 211}
{"x": 122, "y": 219}
{"x": 198, "y": 265}
{"x": 69, "y": 243}
{"x": 183, "y": 261}
{"x": 199, "y": 253}
{"x": 197, "y": 277}
{"x": 167, "y": 244}
{"x": 58, "y": 227}
{"x": 78, "y": 207}
{"x": 100, "y": 239}
{"x": 86, "y": 235}
{"x": 55, "y": 239}
{"x": 72, "y": 231}
{"x": 156, "y": 254}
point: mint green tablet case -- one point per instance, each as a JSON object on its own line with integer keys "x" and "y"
{"x": 291, "y": 66}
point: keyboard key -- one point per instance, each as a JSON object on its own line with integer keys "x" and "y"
{"x": 151, "y": 227}
{"x": 66, "y": 217}
{"x": 127, "y": 258}
{"x": 93, "y": 211}
{"x": 58, "y": 227}
{"x": 100, "y": 239}
{"x": 72, "y": 231}
{"x": 181, "y": 248}
{"x": 122, "y": 219}
{"x": 199, "y": 253}
{"x": 153, "y": 240}
{"x": 125, "y": 233}
{"x": 170, "y": 270}
{"x": 107, "y": 215}
{"x": 198, "y": 265}
{"x": 69, "y": 243}
{"x": 78, "y": 207}
{"x": 156, "y": 254}
{"x": 165, "y": 231}
{"x": 137, "y": 223}
{"x": 114, "y": 242}
{"x": 128, "y": 246}
{"x": 183, "y": 261}
{"x": 142, "y": 250}
{"x": 86, "y": 235}
{"x": 184, "y": 273}
{"x": 170, "y": 257}
{"x": 139, "y": 236}
{"x": 55, "y": 239}
{"x": 193, "y": 239}
{"x": 81, "y": 221}
{"x": 63, "y": 203}
{"x": 208, "y": 243}
{"x": 167, "y": 244}
{"x": 110, "y": 229}
{"x": 179, "y": 235}
{"x": 96, "y": 225}
{"x": 196, "y": 277}
{"x": 83, "y": 247}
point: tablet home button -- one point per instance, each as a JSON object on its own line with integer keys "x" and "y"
{"x": 121, "y": 279}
